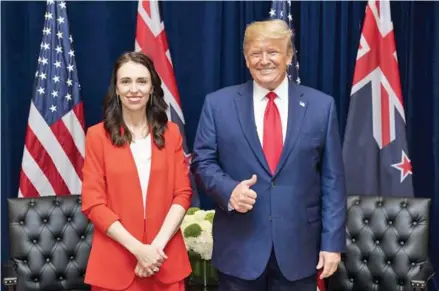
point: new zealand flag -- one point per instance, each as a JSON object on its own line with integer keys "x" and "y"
{"x": 375, "y": 146}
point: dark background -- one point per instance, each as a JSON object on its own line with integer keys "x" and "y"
{"x": 205, "y": 40}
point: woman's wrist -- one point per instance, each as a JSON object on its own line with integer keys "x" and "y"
{"x": 159, "y": 243}
{"x": 134, "y": 246}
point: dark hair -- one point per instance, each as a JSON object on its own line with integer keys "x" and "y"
{"x": 155, "y": 108}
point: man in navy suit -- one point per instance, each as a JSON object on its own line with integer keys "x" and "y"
{"x": 269, "y": 153}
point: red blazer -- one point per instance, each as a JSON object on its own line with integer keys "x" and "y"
{"x": 111, "y": 191}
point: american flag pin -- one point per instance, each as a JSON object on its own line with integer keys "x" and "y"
{"x": 302, "y": 103}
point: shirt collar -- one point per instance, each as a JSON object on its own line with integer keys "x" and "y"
{"x": 260, "y": 92}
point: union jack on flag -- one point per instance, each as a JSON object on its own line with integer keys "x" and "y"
{"x": 54, "y": 147}
{"x": 151, "y": 39}
{"x": 375, "y": 147}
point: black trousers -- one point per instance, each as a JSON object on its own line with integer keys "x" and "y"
{"x": 271, "y": 280}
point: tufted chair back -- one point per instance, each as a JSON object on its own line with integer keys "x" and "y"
{"x": 50, "y": 243}
{"x": 387, "y": 244}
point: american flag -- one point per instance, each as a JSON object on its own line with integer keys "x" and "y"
{"x": 54, "y": 146}
{"x": 375, "y": 149}
{"x": 281, "y": 9}
{"x": 151, "y": 39}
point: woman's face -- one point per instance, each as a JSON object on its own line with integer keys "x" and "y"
{"x": 133, "y": 85}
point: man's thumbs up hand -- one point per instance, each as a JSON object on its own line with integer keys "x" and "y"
{"x": 243, "y": 198}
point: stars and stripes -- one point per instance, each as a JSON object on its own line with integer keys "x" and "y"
{"x": 281, "y": 9}
{"x": 54, "y": 146}
{"x": 375, "y": 148}
{"x": 151, "y": 39}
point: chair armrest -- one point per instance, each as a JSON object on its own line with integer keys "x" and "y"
{"x": 420, "y": 280}
{"x": 9, "y": 275}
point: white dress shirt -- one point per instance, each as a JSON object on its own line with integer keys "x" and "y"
{"x": 141, "y": 150}
{"x": 260, "y": 103}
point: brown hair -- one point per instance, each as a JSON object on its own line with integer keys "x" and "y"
{"x": 155, "y": 108}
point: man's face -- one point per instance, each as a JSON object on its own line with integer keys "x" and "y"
{"x": 267, "y": 60}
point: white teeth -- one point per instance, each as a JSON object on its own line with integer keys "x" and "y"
{"x": 266, "y": 71}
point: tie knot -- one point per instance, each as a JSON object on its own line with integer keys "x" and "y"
{"x": 271, "y": 95}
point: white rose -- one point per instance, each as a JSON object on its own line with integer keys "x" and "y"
{"x": 206, "y": 226}
{"x": 204, "y": 245}
{"x": 199, "y": 215}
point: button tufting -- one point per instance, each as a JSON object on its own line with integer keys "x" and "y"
{"x": 35, "y": 279}
{"x": 415, "y": 223}
{"x": 47, "y": 260}
{"x": 366, "y": 221}
{"x": 402, "y": 243}
{"x": 72, "y": 258}
{"x": 45, "y": 220}
{"x": 82, "y": 237}
{"x": 351, "y": 279}
{"x": 58, "y": 238}
{"x": 377, "y": 242}
{"x": 21, "y": 222}
{"x": 61, "y": 277}
{"x": 34, "y": 241}
{"x": 390, "y": 222}
{"x": 69, "y": 219}
{"x": 388, "y": 262}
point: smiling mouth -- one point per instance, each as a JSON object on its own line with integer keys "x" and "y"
{"x": 266, "y": 71}
{"x": 134, "y": 98}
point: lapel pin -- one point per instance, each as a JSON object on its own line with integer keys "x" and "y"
{"x": 302, "y": 103}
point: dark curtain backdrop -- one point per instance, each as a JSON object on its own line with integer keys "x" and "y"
{"x": 205, "y": 40}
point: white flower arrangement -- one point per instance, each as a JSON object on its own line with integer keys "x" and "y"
{"x": 197, "y": 232}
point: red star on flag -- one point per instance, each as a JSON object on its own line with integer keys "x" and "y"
{"x": 405, "y": 166}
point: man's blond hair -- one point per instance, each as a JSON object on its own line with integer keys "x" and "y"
{"x": 268, "y": 29}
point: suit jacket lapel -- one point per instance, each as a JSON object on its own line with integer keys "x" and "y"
{"x": 296, "y": 111}
{"x": 245, "y": 110}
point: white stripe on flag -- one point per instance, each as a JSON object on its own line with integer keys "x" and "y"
{"x": 75, "y": 128}
{"x": 35, "y": 175}
{"x": 48, "y": 140}
{"x": 154, "y": 23}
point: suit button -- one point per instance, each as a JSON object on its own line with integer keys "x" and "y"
{"x": 269, "y": 218}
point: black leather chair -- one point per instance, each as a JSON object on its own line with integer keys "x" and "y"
{"x": 50, "y": 243}
{"x": 387, "y": 245}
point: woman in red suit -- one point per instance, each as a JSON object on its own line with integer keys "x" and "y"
{"x": 136, "y": 186}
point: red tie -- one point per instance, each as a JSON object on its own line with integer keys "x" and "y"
{"x": 273, "y": 141}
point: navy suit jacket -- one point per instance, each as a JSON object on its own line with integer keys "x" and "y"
{"x": 300, "y": 209}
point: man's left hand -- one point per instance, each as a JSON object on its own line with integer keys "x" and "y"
{"x": 329, "y": 262}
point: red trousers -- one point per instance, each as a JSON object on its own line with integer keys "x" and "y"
{"x": 148, "y": 284}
